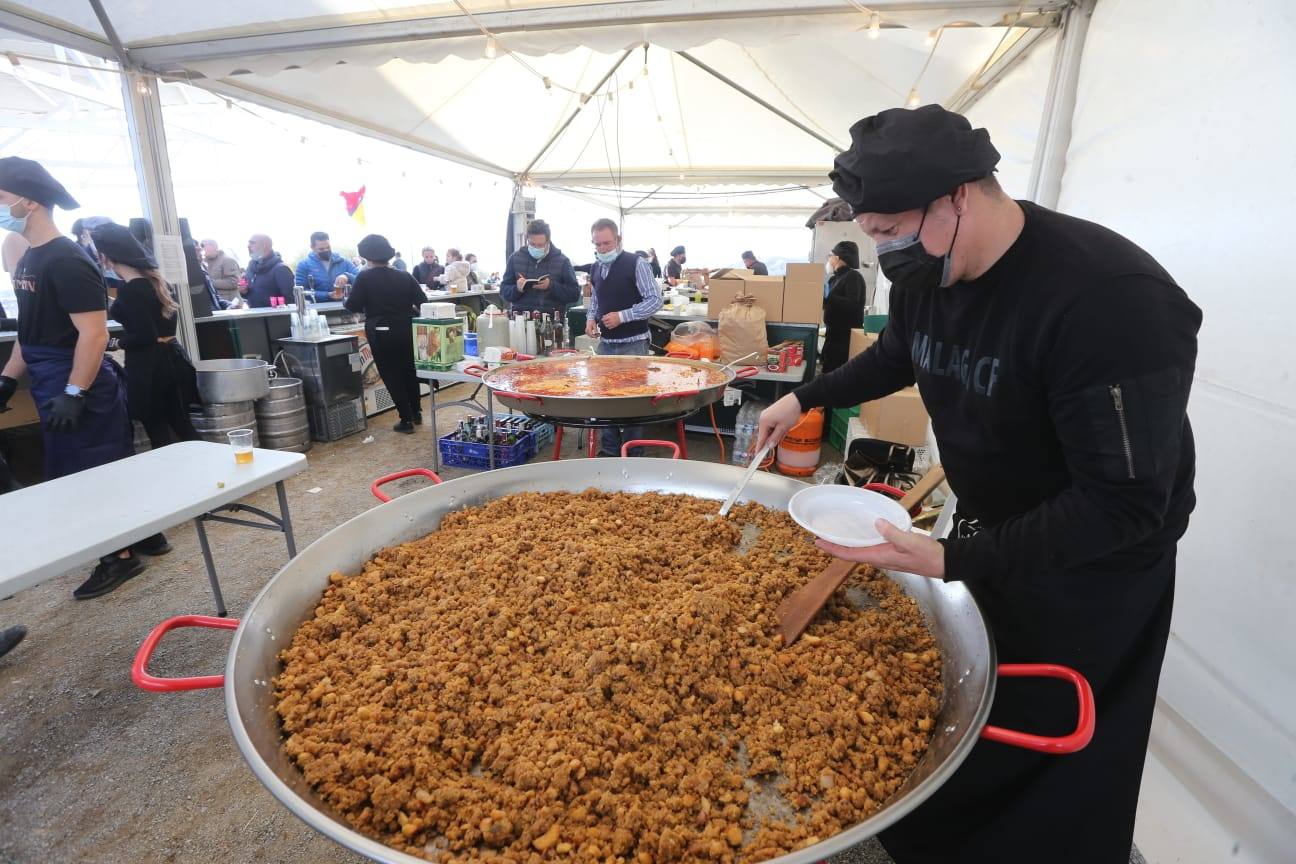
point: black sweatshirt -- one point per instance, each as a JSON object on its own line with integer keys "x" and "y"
{"x": 1057, "y": 384}
{"x": 387, "y": 297}
{"x": 139, "y": 311}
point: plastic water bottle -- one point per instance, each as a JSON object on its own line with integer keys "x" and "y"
{"x": 746, "y": 430}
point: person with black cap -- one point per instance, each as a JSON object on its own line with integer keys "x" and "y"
{"x": 389, "y": 299}
{"x": 675, "y": 266}
{"x": 843, "y": 305}
{"x": 79, "y": 393}
{"x": 757, "y": 267}
{"x": 160, "y": 381}
{"x": 1055, "y": 358}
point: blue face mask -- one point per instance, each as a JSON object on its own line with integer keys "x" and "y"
{"x": 10, "y": 222}
{"x": 607, "y": 257}
{"x": 537, "y": 254}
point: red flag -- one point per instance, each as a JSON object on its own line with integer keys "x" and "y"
{"x": 355, "y": 204}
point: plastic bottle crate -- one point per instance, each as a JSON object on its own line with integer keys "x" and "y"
{"x": 543, "y": 432}
{"x": 470, "y": 454}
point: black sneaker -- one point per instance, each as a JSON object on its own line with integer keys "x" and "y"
{"x": 154, "y": 546}
{"x": 405, "y": 427}
{"x": 108, "y": 575}
{"x": 10, "y": 638}
{"x": 418, "y": 419}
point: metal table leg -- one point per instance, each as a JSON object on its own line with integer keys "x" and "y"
{"x": 286, "y": 520}
{"x": 490, "y": 424}
{"x": 436, "y": 447}
{"x": 211, "y": 566}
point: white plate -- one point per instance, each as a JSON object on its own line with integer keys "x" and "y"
{"x": 845, "y": 515}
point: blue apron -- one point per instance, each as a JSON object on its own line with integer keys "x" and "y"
{"x": 105, "y": 433}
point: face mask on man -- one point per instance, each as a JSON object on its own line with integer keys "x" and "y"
{"x": 905, "y": 260}
{"x": 325, "y": 255}
{"x": 607, "y": 257}
{"x": 10, "y": 222}
{"x": 537, "y": 254}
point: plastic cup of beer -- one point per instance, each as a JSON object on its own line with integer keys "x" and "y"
{"x": 241, "y": 441}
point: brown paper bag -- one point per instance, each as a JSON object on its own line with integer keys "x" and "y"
{"x": 742, "y": 331}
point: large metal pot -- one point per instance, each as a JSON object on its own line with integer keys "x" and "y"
{"x": 233, "y": 380}
{"x": 696, "y": 384}
{"x": 290, "y": 598}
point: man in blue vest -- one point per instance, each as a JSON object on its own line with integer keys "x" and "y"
{"x": 625, "y": 296}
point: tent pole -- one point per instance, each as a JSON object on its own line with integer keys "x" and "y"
{"x": 572, "y": 117}
{"x": 153, "y": 170}
{"x": 142, "y": 100}
{"x": 761, "y": 102}
{"x": 1045, "y": 187}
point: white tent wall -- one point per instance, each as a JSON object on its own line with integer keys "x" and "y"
{"x": 1011, "y": 111}
{"x": 1181, "y": 140}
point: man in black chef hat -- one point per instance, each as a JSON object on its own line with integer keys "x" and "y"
{"x": 62, "y": 331}
{"x": 1055, "y": 358}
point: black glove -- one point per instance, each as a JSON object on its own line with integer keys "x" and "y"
{"x": 8, "y": 387}
{"x": 64, "y": 412}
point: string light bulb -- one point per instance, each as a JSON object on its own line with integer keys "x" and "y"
{"x": 931, "y": 38}
{"x": 492, "y": 48}
{"x": 875, "y": 26}
{"x": 548, "y": 84}
{"x": 142, "y": 87}
{"x": 913, "y": 100}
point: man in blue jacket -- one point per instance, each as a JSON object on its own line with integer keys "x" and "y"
{"x": 266, "y": 275}
{"x": 539, "y": 260}
{"x": 323, "y": 274}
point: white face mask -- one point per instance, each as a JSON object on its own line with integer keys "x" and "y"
{"x": 10, "y": 222}
{"x": 829, "y": 268}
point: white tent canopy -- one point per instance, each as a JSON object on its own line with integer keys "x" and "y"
{"x": 636, "y": 92}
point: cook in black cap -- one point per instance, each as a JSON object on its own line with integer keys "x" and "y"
{"x": 843, "y": 306}
{"x": 389, "y": 299}
{"x": 159, "y": 378}
{"x": 62, "y": 333}
{"x": 1054, "y": 358}
{"x": 675, "y": 266}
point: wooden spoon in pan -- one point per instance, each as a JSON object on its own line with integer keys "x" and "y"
{"x": 800, "y": 607}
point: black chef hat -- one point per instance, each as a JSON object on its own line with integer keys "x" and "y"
{"x": 374, "y": 247}
{"x": 848, "y": 252}
{"x": 117, "y": 244}
{"x": 904, "y": 159}
{"x": 678, "y": 250}
{"x": 28, "y": 179}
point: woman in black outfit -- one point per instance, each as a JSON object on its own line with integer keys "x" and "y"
{"x": 843, "y": 304}
{"x": 159, "y": 378}
{"x": 389, "y": 300}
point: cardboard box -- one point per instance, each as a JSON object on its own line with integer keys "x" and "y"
{"x": 803, "y": 303}
{"x": 731, "y": 273}
{"x": 438, "y": 344}
{"x": 806, "y": 274}
{"x": 768, "y": 291}
{"x": 900, "y": 417}
{"x": 859, "y": 342}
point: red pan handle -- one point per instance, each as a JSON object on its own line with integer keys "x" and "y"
{"x": 1073, "y": 743}
{"x": 525, "y": 397}
{"x": 747, "y": 372}
{"x": 680, "y": 355}
{"x": 399, "y": 475}
{"x": 475, "y": 369}
{"x": 139, "y": 668}
{"x": 680, "y": 395}
{"x": 650, "y": 442}
{"x": 523, "y": 356}
{"x": 558, "y": 352}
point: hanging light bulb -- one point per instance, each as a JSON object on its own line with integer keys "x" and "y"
{"x": 492, "y": 48}
{"x": 645, "y": 70}
{"x": 681, "y": 176}
{"x": 931, "y": 38}
{"x": 142, "y": 87}
{"x": 548, "y": 84}
{"x": 912, "y": 101}
{"x": 875, "y": 26}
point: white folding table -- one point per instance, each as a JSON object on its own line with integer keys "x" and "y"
{"x": 50, "y": 528}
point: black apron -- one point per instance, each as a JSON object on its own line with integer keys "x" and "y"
{"x": 157, "y": 375}
{"x": 392, "y": 345}
{"x": 104, "y": 434}
{"x": 1008, "y": 805}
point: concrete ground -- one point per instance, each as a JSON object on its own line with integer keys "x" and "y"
{"x": 94, "y": 770}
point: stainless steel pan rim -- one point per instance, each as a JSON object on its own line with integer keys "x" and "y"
{"x": 640, "y": 408}
{"x": 291, "y": 595}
